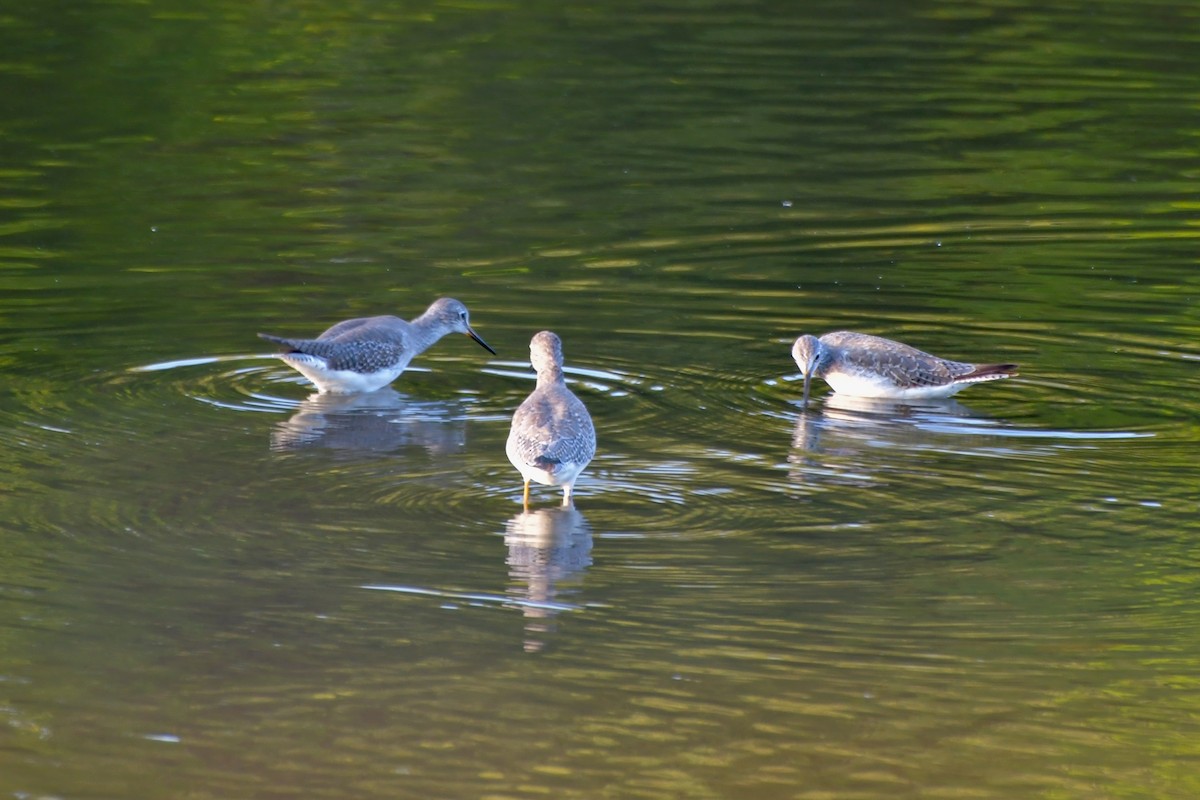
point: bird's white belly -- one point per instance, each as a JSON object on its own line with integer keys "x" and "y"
{"x": 874, "y": 386}
{"x": 340, "y": 381}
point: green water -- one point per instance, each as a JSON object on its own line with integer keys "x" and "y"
{"x": 213, "y": 585}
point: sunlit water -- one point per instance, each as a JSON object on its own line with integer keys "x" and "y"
{"x": 217, "y": 584}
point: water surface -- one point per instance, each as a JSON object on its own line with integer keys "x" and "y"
{"x": 217, "y": 585}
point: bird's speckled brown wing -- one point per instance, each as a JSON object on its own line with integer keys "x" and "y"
{"x": 905, "y": 366}
{"x": 366, "y": 355}
{"x": 552, "y": 427}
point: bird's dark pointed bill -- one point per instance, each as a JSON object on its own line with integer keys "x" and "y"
{"x": 482, "y": 343}
{"x": 807, "y": 383}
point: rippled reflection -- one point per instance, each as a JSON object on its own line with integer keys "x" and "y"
{"x": 843, "y": 440}
{"x": 850, "y": 425}
{"x": 546, "y": 547}
{"x": 379, "y": 421}
{"x": 861, "y": 417}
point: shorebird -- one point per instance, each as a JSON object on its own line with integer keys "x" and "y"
{"x": 861, "y": 365}
{"x": 552, "y": 437}
{"x": 368, "y": 353}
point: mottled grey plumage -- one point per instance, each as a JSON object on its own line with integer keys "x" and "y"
{"x": 862, "y": 365}
{"x": 365, "y": 354}
{"x": 552, "y": 437}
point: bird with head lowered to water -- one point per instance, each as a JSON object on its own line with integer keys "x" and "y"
{"x": 861, "y": 365}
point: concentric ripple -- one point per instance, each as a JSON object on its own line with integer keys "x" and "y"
{"x": 240, "y": 388}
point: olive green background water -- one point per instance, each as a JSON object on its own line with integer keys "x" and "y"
{"x": 215, "y": 586}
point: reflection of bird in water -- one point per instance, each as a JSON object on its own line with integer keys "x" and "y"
{"x": 861, "y": 365}
{"x": 545, "y": 547}
{"x": 552, "y": 437}
{"x": 365, "y": 354}
{"x": 872, "y": 410}
{"x": 846, "y": 426}
{"x": 379, "y": 421}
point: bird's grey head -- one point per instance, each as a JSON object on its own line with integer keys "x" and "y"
{"x": 809, "y": 354}
{"x": 545, "y": 352}
{"x": 452, "y": 315}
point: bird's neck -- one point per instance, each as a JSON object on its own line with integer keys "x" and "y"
{"x": 425, "y": 331}
{"x": 549, "y": 376}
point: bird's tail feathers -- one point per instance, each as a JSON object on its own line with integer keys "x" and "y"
{"x": 547, "y": 464}
{"x": 277, "y": 339}
{"x": 990, "y": 372}
{"x": 310, "y": 347}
